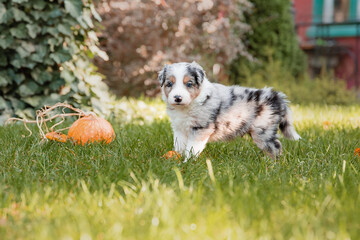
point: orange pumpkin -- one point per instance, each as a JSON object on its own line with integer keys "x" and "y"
{"x": 172, "y": 154}
{"x": 90, "y": 129}
{"x": 59, "y": 137}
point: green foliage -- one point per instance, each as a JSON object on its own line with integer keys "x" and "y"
{"x": 45, "y": 48}
{"x": 125, "y": 190}
{"x": 273, "y": 36}
{"x": 304, "y": 90}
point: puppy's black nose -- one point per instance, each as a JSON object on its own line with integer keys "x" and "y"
{"x": 178, "y": 98}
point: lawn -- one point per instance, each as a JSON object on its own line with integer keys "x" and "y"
{"x": 126, "y": 190}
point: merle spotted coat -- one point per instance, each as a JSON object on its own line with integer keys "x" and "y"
{"x": 202, "y": 111}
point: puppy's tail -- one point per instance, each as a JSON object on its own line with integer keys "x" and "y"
{"x": 286, "y": 125}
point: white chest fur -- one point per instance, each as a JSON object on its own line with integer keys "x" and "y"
{"x": 181, "y": 119}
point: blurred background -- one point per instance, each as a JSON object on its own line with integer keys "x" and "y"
{"x": 91, "y": 53}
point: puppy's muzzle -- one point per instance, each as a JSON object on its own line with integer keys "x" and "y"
{"x": 178, "y": 98}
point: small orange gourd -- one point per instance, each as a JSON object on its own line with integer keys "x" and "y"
{"x": 172, "y": 154}
{"x": 59, "y": 137}
{"x": 90, "y": 129}
{"x": 357, "y": 151}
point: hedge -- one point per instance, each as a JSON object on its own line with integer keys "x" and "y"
{"x": 45, "y": 52}
{"x": 273, "y": 38}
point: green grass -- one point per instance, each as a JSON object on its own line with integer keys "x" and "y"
{"x": 126, "y": 190}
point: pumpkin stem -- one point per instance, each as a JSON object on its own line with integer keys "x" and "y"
{"x": 90, "y": 114}
{"x": 46, "y": 114}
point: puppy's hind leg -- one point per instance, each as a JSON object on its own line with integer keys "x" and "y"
{"x": 274, "y": 147}
{"x": 269, "y": 144}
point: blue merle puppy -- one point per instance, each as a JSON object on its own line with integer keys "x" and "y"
{"x": 201, "y": 111}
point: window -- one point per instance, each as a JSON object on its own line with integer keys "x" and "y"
{"x": 336, "y": 10}
{"x": 340, "y": 15}
{"x": 341, "y": 10}
{"x": 328, "y": 11}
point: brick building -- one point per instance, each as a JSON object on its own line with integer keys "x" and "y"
{"x": 329, "y": 32}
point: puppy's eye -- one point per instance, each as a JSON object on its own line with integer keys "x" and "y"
{"x": 189, "y": 84}
{"x": 169, "y": 84}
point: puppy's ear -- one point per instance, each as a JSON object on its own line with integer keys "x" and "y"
{"x": 199, "y": 71}
{"x": 196, "y": 65}
{"x": 162, "y": 75}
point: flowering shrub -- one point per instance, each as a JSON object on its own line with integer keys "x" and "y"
{"x": 140, "y": 36}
